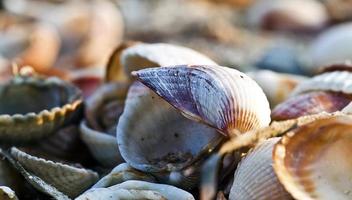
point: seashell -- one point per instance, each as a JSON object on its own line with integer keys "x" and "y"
{"x": 102, "y": 111}
{"x": 67, "y": 179}
{"x": 7, "y": 194}
{"x": 121, "y": 173}
{"x": 331, "y": 46}
{"x": 141, "y": 56}
{"x": 47, "y": 105}
{"x": 323, "y": 172}
{"x": 276, "y": 86}
{"x": 310, "y": 103}
{"x": 255, "y": 178}
{"x": 287, "y": 14}
{"x": 336, "y": 81}
{"x": 88, "y": 80}
{"x": 218, "y": 96}
{"x": 137, "y": 190}
{"x": 150, "y": 141}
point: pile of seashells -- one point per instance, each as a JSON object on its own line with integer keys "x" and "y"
{"x": 88, "y": 115}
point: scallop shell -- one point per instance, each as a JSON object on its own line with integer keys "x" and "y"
{"x": 137, "y": 190}
{"x": 121, "y": 173}
{"x": 255, "y": 178}
{"x": 154, "y": 137}
{"x": 287, "y": 14}
{"x": 324, "y": 170}
{"x": 310, "y": 103}
{"x": 276, "y": 86}
{"x": 221, "y": 97}
{"x": 32, "y": 108}
{"x": 67, "y": 179}
{"x": 337, "y": 81}
{"x": 331, "y": 46}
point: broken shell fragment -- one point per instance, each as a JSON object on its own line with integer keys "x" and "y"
{"x": 324, "y": 172}
{"x": 221, "y": 97}
{"x": 32, "y": 107}
{"x": 255, "y": 177}
{"x": 67, "y": 179}
{"x": 137, "y": 190}
{"x": 310, "y": 103}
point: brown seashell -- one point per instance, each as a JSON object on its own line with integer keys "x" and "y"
{"x": 313, "y": 162}
{"x": 221, "y": 97}
{"x": 310, "y": 103}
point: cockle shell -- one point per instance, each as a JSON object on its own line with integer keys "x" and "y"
{"x": 310, "y": 103}
{"x": 154, "y": 137}
{"x": 221, "y": 97}
{"x": 287, "y": 14}
{"x": 331, "y": 46}
{"x": 31, "y": 107}
{"x": 276, "y": 86}
{"x": 255, "y": 178}
{"x": 324, "y": 172}
{"x": 67, "y": 179}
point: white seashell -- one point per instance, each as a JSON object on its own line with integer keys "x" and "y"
{"x": 255, "y": 177}
{"x": 137, "y": 190}
{"x": 276, "y": 86}
{"x": 221, "y": 97}
{"x": 287, "y": 14}
{"x": 142, "y": 56}
{"x": 67, "y": 179}
{"x": 7, "y": 193}
{"x": 332, "y": 46}
{"x": 337, "y": 81}
{"x": 312, "y": 161}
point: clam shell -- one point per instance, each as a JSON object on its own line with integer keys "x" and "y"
{"x": 331, "y": 46}
{"x": 137, "y": 190}
{"x": 159, "y": 54}
{"x": 310, "y": 103}
{"x": 32, "y": 108}
{"x": 121, "y": 173}
{"x": 324, "y": 170}
{"x": 154, "y": 137}
{"x": 255, "y": 177}
{"x": 221, "y": 97}
{"x": 276, "y": 86}
{"x": 67, "y": 179}
{"x": 337, "y": 81}
{"x": 287, "y": 14}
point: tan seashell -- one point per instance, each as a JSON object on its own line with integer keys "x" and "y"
{"x": 323, "y": 172}
{"x": 310, "y": 103}
{"x": 150, "y": 140}
{"x": 137, "y": 190}
{"x": 255, "y": 178}
{"x": 7, "y": 193}
{"x": 221, "y": 97}
{"x": 287, "y": 14}
{"x": 276, "y": 86}
{"x": 121, "y": 173}
{"x": 67, "y": 179}
{"x": 47, "y": 105}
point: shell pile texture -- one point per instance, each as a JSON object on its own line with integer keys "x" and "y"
{"x": 221, "y": 97}
{"x": 313, "y": 162}
{"x": 67, "y": 179}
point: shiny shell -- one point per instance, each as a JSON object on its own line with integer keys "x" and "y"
{"x": 150, "y": 140}
{"x": 137, "y": 190}
{"x": 310, "y": 103}
{"x": 337, "y": 81}
{"x": 324, "y": 172}
{"x": 67, "y": 179}
{"x": 331, "y": 46}
{"x": 287, "y": 14}
{"x": 255, "y": 177}
{"x": 276, "y": 86}
{"x": 221, "y": 97}
{"x": 31, "y": 108}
